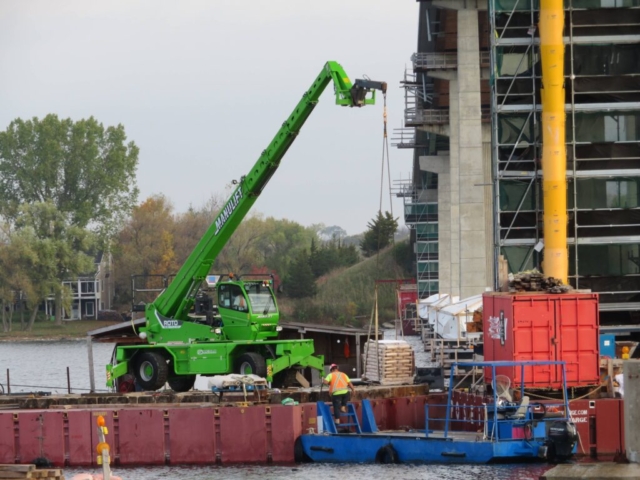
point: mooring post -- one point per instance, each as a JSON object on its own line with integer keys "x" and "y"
{"x": 8, "y": 382}
{"x": 68, "y": 381}
{"x": 631, "y": 392}
{"x": 92, "y": 380}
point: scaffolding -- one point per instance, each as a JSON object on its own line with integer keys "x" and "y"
{"x": 602, "y": 81}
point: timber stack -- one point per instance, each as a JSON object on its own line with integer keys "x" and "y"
{"x": 29, "y": 471}
{"x": 389, "y": 362}
{"x": 475, "y": 325}
{"x": 534, "y": 281}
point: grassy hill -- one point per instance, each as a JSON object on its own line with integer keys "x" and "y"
{"x": 346, "y": 296}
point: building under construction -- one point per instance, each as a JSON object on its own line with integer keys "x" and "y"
{"x": 473, "y": 115}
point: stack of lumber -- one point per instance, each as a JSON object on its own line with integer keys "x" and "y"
{"x": 476, "y": 324}
{"x": 389, "y": 362}
{"x": 29, "y": 471}
{"x": 534, "y": 281}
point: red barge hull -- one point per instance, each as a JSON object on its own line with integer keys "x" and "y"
{"x": 205, "y": 434}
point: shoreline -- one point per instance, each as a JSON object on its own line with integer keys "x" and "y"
{"x": 46, "y": 331}
{"x": 21, "y": 339}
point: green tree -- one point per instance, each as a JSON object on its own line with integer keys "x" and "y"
{"x": 51, "y": 250}
{"x": 75, "y": 175}
{"x": 242, "y": 252}
{"x": 301, "y": 282}
{"x": 348, "y": 255}
{"x": 282, "y": 242}
{"x": 379, "y": 234}
{"x": 85, "y": 170}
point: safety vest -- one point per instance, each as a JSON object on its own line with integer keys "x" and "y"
{"x": 339, "y": 381}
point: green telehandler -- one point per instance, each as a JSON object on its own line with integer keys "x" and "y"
{"x": 239, "y": 335}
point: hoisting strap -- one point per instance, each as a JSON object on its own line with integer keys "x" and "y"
{"x": 385, "y": 156}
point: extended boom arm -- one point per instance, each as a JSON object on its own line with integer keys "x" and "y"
{"x": 176, "y": 301}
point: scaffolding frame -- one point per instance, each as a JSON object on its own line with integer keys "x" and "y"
{"x": 598, "y": 102}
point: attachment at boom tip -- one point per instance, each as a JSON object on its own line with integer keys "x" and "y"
{"x": 361, "y": 87}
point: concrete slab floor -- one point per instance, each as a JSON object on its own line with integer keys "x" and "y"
{"x": 593, "y": 471}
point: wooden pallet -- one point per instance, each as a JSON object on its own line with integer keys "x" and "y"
{"x": 389, "y": 362}
{"x": 29, "y": 471}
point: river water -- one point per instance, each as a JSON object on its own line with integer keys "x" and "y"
{"x": 41, "y": 366}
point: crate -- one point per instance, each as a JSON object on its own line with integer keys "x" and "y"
{"x": 389, "y": 362}
{"x": 29, "y": 471}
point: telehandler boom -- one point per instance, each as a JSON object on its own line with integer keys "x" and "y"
{"x": 241, "y": 334}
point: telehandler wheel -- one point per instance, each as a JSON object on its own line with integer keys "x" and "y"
{"x": 251, "y": 363}
{"x": 182, "y": 383}
{"x": 151, "y": 370}
{"x": 285, "y": 378}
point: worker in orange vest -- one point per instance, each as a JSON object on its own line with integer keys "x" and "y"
{"x": 339, "y": 386}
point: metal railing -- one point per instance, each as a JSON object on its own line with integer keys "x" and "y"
{"x": 443, "y": 60}
{"x": 426, "y": 117}
{"x": 405, "y": 138}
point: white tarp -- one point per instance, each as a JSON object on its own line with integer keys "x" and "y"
{"x": 226, "y": 381}
{"x": 451, "y": 323}
{"x": 429, "y": 306}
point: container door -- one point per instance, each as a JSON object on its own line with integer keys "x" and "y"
{"x": 577, "y": 339}
{"x": 533, "y": 338}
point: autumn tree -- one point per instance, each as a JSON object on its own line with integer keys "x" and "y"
{"x": 243, "y": 250}
{"x": 191, "y": 226}
{"x": 144, "y": 245}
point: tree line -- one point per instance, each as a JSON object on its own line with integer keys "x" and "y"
{"x": 68, "y": 190}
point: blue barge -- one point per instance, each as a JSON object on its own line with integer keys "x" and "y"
{"x": 510, "y": 430}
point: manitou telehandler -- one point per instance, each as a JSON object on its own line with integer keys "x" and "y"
{"x": 239, "y": 334}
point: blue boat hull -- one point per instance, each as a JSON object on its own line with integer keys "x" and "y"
{"x": 510, "y": 431}
{"x": 380, "y": 448}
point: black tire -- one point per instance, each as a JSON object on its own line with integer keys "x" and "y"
{"x": 299, "y": 456}
{"x": 251, "y": 362}
{"x": 182, "y": 383}
{"x": 151, "y": 370}
{"x": 387, "y": 455}
{"x": 285, "y": 378}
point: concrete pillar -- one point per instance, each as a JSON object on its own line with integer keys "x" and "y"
{"x": 444, "y": 232}
{"x": 453, "y": 240}
{"x": 473, "y": 213}
{"x": 631, "y": 385}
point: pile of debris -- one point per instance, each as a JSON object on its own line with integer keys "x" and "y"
{"x": 534, "y": 281}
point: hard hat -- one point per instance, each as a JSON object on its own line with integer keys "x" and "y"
{"x": 333, "y": 365}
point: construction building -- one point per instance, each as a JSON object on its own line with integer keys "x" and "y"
{"x": 473, "y": 118}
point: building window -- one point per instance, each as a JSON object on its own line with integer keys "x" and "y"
{"x": 89, "y": 309}
{"x": 88, "y": 287}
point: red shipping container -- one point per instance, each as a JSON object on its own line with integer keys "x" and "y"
{"x": 541, "y": 326}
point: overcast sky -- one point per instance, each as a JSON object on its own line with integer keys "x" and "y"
{"x": 202, "y": 86}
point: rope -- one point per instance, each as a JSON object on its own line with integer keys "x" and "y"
{"x": 385, "y": 156}
{"x": 531, "y": 394}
